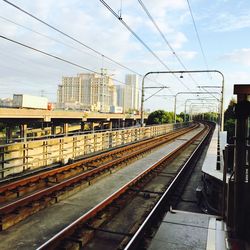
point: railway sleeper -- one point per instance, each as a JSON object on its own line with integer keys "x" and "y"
{"x": 77, "y": 242}
{"x": 8, "y": 196}
{"x": 66, "y": 192}
{"x": 146, "y": 191}
{"x": 61, "y": 195}
{"x": 89, "y": 167}
{"x": 131, "y": 231}
{"x": 71, "y": 243}
{"x": 98, "y": 229}
{"x": 86, "y": 232}
{"x": 136, "y": 223}
{"x": 65, "y": 174}
{"x": 23, "y": 212}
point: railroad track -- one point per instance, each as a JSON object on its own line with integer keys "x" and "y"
{"x": 119, "y": 221}
{"x": 26, "y": 196}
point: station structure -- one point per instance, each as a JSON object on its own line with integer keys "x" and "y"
{"x": 224, "y": 171}
{"x": 60, "y": 121}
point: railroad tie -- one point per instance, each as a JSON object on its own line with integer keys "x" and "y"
{"x": 146, "y": 191}
{"x": 107, "y": 231}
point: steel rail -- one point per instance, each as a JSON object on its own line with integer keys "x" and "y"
{"x": 45, "y": 175}
{"x": 54, "y": 242}
{"x": 24, "y": 181}
{"x": 51, "y": 191}
{"x": 139, "y": 234}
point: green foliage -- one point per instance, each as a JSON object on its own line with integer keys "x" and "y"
{"x": 2, "y": 127}
{"x": 179, "y": 119}
{"x": 211, "y": 116}
{"x": 182, "y": 116}
{"x": 160, "y": 117}
{"x": 229, "y": 124}
{"x": 229, "y": 113}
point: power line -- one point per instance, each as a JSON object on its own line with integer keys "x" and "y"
{"x": 164, "y": 37}
{"x": 72, "y": 38}
{"x": 69, "y": 36}
{"x": 56, "y": 57}
{"x": 139, "y": 39}
{"x": 197, "y": 34}
{"x": 167, "y": 42}
{"x": 43, "y": 35}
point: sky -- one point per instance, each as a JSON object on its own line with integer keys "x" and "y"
{"x": 223, "y": 27}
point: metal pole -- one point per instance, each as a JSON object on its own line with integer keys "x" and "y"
{"x": 192, "y": 71}
{"x": 175, "y": 108}
{"x": 143, "y": 96}
{"x": 186, "y": 92}
{"x": 222, "y": 104}
{"x": 199, "y": 104}
{"x": 185, "y": 111}
{"x": 142, "y": 100}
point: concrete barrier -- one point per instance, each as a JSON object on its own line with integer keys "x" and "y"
{"x": 24, "y": 156}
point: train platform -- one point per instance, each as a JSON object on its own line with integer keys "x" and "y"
{"x": 213, "y": 163}
{"x": 186, "y": 230}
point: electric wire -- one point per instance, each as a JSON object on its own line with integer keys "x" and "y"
{"x": 167, "y": 42}
{"x": 69, "y": 36}
{"x": 46, "y": 36}
{"x": 74, "y": 39}
{"x": 56, "y": 57}
{"x": 164, "y": 37}
{"x": 197, "y": 34}
{"x": 140, "y": 40}
{"x": 88, "y": 47}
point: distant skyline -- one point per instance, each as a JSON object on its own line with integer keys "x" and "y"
{"x": 223, "y": 27}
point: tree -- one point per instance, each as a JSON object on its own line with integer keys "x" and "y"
{"x": 229, "y": 116}
{"x": 229, "y": 113}
{"x": 182, "y": 115}
{"x": 159, "y": 117}
{"x": 211, "y": 116}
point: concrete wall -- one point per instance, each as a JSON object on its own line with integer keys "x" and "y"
{"x": 20, "y": 157}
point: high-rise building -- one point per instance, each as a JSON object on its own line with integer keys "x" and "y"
{"x": 6, "y": 102}
{"x": 120, "y": 95}
{"x": 131, "y": 93}
{"x": 87, "y": 91}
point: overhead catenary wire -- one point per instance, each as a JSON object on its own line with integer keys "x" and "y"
{"x": 69, "y": 36}
{"x": 57, "y": 57}
{"x": 163, "y": 36}
{"x": 74, "y": 39}
{"x": 140, "y": 40}
{"x": 197, "y": 35}
{"x": 46, "y": 36}
{"x": 167, "y": 42}
{"x": 43, "y": 35}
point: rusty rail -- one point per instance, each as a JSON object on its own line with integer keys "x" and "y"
{"x": 51, "y": 191}
{"x": 67, "y": 232}
{"x": 159, "y": 207}
{"x": 44, "y": 175}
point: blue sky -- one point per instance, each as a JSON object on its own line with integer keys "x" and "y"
{"x": 223, "y": 26}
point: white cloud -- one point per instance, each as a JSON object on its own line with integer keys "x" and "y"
{"x": 189, "y": 55}
{"x": 178, "y": 40}
{"x": 226, "y": 21}
{"x": 91, "y": 23}
{"x": 239, "y": 56}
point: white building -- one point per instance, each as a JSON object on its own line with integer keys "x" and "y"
{"x": 131, "y": 93}
{"x": 6, "y": 102}
{"x": 120, "y": 95}
{"x": 87, "y": 91}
